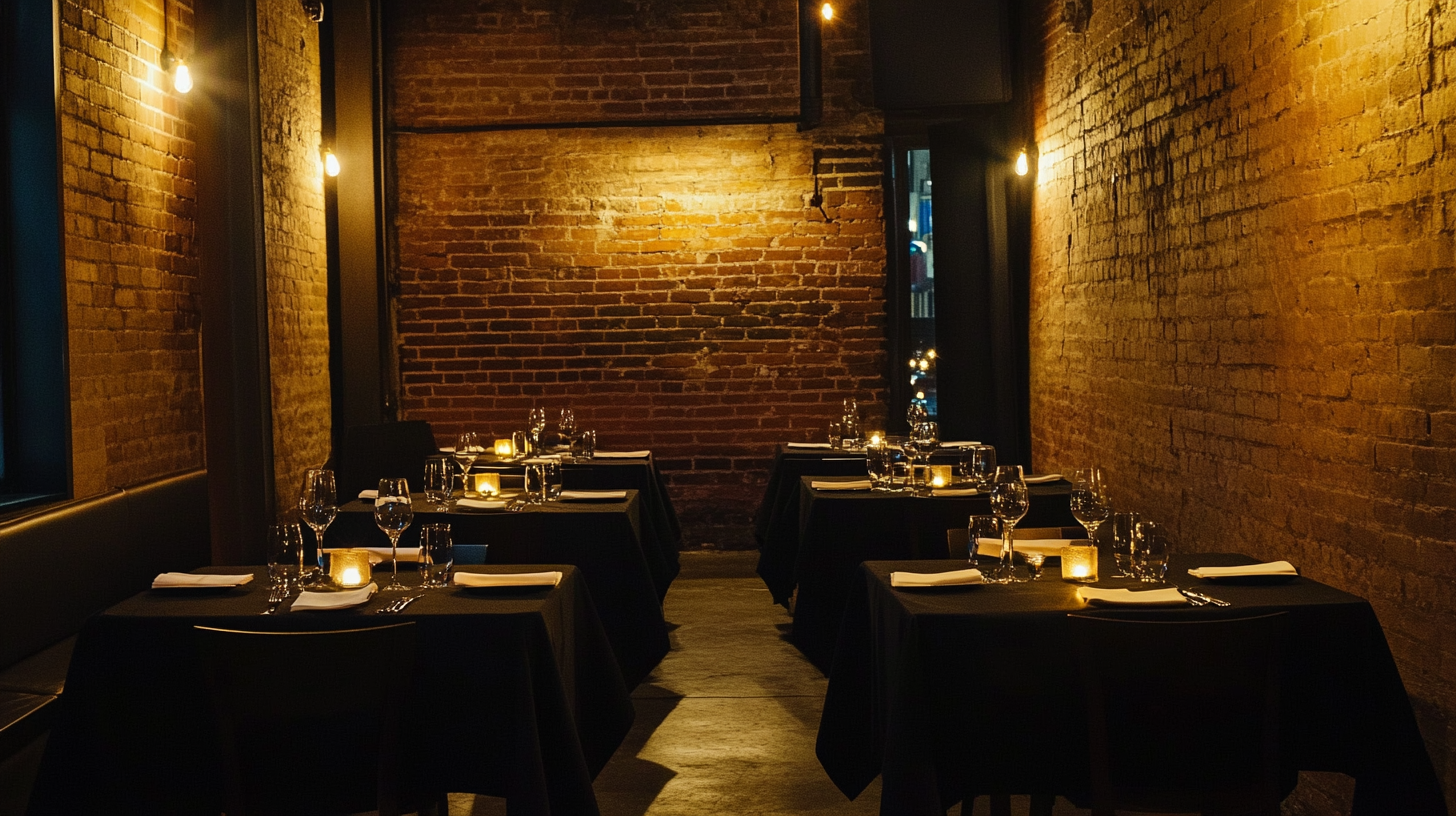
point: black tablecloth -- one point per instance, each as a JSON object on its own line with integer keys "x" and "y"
{"x": 519, "y": 696}
{"x": 969, "y": 691}
{"x": 600, "y": 538}
{"x": 661, "y": 535}
{"x": 776, "y": 522}
{"x": 839, "y": 529}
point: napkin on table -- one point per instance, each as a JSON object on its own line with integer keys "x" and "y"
{"x": 378, "y": 555}
{"x": 188, "y": 579}
{"x": 1042, "y": 479}
{"x": 499, "y": 579}
{"x": 1270, "y": 568}
{"x": 333, "y": 600}
{"x": 954, "y": 491}
{"x": 1126, "y": 597}
{"x": 860, "y": 484}
{"x": 481, "y": 504}
{"x": 369, "y": 494}
{"x": 808, "y": 445}
{"x": 593, "y": 495}
{"x": 1049, "y": 547}
{"x": 639, "y": 454}
{"x": 959, "y": 444}
{"x": 963, "y": 577}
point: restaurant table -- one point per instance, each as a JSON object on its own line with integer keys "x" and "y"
{"x": 955, "y": 692}
{"x": 838, "y": 529}
{"x": 518, "y": 696}
{"x": 776, "y": 521}
{"x": 601, "y": 538}
{"x": 661, "y": 534}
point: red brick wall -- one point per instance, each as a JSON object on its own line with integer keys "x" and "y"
{"x": 131, "y": 267}
{"x": 672, "y": 284}
{"x": 1244, "y": 304}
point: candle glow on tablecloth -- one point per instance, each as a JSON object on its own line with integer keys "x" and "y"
{"x": 350, "y": 568}
{"x": 486, "y": 484}
{"x": 941, "y": 475}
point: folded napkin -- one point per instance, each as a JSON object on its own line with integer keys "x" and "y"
{"x": 187, "y": 579}
{"x": 963, "y": 577}
{"x": 1126, "y": 597}
{"x": 378, "y": 555}
{"x": 480, "y": 504}
{"x": 1043, "y": 479}
{"x": 1270, "y": 568}
{"x": 446, "y": 450}
{"x": 1049, "y": 547}
{"x": 959, "y": 444}
{"x": 333, "y": 600}
{"x": 592, "y": 495}
{"x": 500, "y": 579}
{"x": 369, "y": 494}
{"x": 859, "y": 484}
{"x": 808, "y": 445}
{"x": 642, "y": 454}
{"x": 954, "y": 491}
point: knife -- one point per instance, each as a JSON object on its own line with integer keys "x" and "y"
{"x": 1198, "y": 596}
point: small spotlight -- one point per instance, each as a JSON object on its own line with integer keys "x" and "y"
{"x": 827, "y": 11}
{"x": 1021, "y": 165}
{"x": 331, "y": 163}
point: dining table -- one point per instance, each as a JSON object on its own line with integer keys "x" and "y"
{"x": 839, "y": 529}
{"x": 525, "y": 698}
{"x": 601, "y": 537}
{"x": 952, "y": 692}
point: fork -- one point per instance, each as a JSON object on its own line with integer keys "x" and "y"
{"x": 275, "y": 599}
{"x": 397, "y": 606}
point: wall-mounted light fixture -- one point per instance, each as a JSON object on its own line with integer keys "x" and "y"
{"x": 178, "y": 70}
{"x": 827, "y": 12}
{"x": 1022, "y": 167}
{"x": 331, "y": 163}
{"x": 314, "y": 9}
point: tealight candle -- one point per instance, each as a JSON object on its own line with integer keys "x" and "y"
{"x": 1079, "y": 563}
{"x": 350, "y": 568}
{"x": 876, "y": 438}
{"x": 504, "y": 449}
{"x": 941, "y": 475}
{"x": 486, "y": 484}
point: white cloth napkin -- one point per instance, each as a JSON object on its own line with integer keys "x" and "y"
{"x": 369, "y": 494}
{"x": 378, "y": 555}
{"x": 499, "y": 579}
{"x": 808, "y": 445}
{"x": 1042, "y": 479}
{"x": 592, "y": 495}
{"x": 642, "y": 454}
{"x": 860, "y": 484}
{"x": 959, "y": 444}
{"x": 173, "y": 580}
{"x": 1126, "y": 597}
{"x": 954, "y": 491}
{"x": 1049, "y": 547}
{"x": 333, "y": 600}
{"x": 480, "y": 504}
{"x": 963, "y": 577}
{"x": 1270, "y": 568}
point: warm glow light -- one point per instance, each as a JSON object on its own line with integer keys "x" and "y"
{"x": 331, "y": 163}
{"x": 1021, "y": 166}
{"x": 913, "y": 225}
{"x": 181, "y": 77}
{"x": 924, "y": 365}
{"x": 827, "y": 10}
{"x": 930, "y": 354}
{"x": 1079, "y": 563}
{"x": 350, "y": 568}
{"x": 486, "y": 484}
{"x": 920, "y": 395}
{"x": 504, "y": 449}
{"x": 914, "y": 364}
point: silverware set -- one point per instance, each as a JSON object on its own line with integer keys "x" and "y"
{"x": 396, "y": 607}
{"x": 1199, "y": 599}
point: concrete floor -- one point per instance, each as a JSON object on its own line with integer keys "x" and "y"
{"x": 726, "y": 724}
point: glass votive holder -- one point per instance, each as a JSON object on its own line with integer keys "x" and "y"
{"x": 1079, "y": 563}
{"x": 350, "y": 568}
{"x": 942, "y": 475}
{"x": 504, "y": 449}
{"x": 485, "y": 484}
{"x": 520, "y": 443}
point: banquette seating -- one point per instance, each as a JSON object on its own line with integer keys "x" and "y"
{"x": 63, "y": 563}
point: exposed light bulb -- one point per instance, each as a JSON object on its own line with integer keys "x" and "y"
{"x": 1021, "y": 165}
{"x": 920, "y": 395}
{"x": 827, "y": 11}
{"x": 913, "y": 225}
{"x": 331, "y": 163}
{"x": 930, "y": 354}
{"x": 913, "y": 365}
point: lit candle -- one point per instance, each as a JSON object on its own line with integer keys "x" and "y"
{"x": 504, "y": 448}
{"x": 350, "y": 568}
{"x": 940, "y": 475}
{"x": 486, "y": 484}
{"x": 1079, "y": 563}
{"x": 876, "y": 438}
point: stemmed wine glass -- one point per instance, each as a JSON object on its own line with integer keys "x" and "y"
{"x": 567, "y": 426}
{"x": 1089, "y": 503}
{"x": 538, "y": 425}
{"x": 318, "y": 505}
{"x": 924, "y": 439}
{"x": 1009, "y": 501}
{"x": 916, "y": 414}
{"x": 393, "y": 513}
{"x": 468, "y": 448}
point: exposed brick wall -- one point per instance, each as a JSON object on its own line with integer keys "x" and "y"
{"x": 131, "y": 267}
{"x": 294, "y": 243}
{"x": 1244, "y": 304}
{"x": 672, "y": 284}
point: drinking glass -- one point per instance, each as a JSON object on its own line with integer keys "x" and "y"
{"x": 1009, "y": 501}
{"x": 979, "y": 463}
{"x": 537, "y": 422}
{"x": 440, "y": 481}
{"x": 849, "y": 425}
{"x": 567, "y": 425}
{"x": 285, "y": 556}
{"x": 836, "y": 434}
{"x": 1090, "y": 506}
{"x": 535, "y": 483}
{"x": 437, "y": 555}
{"x": 916, "y": 413}
{"x": 925, "y": 437}
{"x": 584, "y": 445}
{"x": 521, "y": 443}
{"x": 393, "y": 514}
{"x": 982, "y": 527}
{"x": 1034, "y": 561}
{"x": 468, "y": 448}
{"x": 551, "y": 471}
{"x": 1124, "y": 533}
{"x": 318, "y": 505}
{"x": 879, "y": 461}
{"x": 1150, "y": 553}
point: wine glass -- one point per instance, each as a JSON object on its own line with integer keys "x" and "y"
{"x": 978, "y": 528}
{"x": 440, "y": 481}
{"x": 468, "y": 448}
{"x": 567, "y": 425}
{"x": 916, "y": 414}
{"x": 1089, "y": 503}
{"x": 1009, "y": 501}
{"x": 393, "y": 513}
{"x": 538, "y": 425}
{"x": 318, "y": 505}
{"x": 285, "y": 558}
{"x": 980, "y": 466}
{"x": 925, "y": 437}
{"x": 879, "y": 463}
